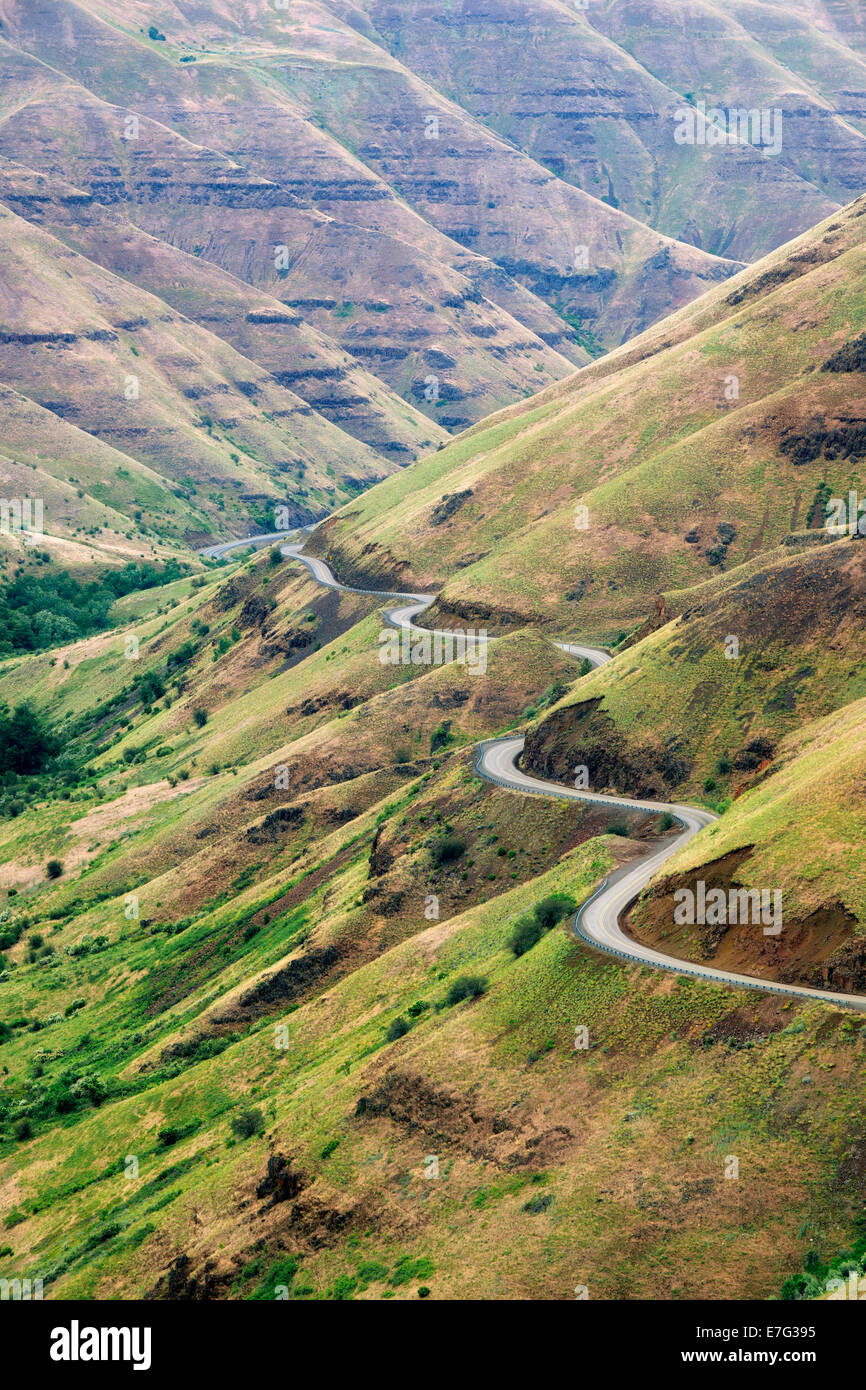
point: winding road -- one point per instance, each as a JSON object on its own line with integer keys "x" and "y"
{"x": 597, "y": 921}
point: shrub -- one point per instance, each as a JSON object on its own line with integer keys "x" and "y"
{"x": 446, "y": 849}
{"x": 441, "y": 736}
{"x": 546, "y": 914}
{"x": 150, "y": 688}
{"x": 465, "y": 987}
{"x": 200, "y": 716}
{"x": 527, "y": 931}
{"x": 667, "y": 821}
{"x": 53, "y": 869}
{"x": 801, "y": 1287}
{"x": 22, "y": 1130}
{"x": 537, "y": 1204}
{"x": 406, "y": 1270}
{"x": 26, "y": 743}
{"x": 619, "y": 827}
{"x": 280, "y": 1275}
{"x": 397, "y": 1028}
{"x": 553, "y": 908}
{"x": 247, "y": 1123}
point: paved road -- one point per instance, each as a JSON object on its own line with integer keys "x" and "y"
{"x": 598, "y": 920}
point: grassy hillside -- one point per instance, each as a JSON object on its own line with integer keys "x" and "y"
{"x": 566, "y": 1161}
{"x": 288, "y": 995}
{"x": 245, "y": 989}
{"x": 575, "y": 510}
{"x": 753, "y": 655}
{"x": 791, "y": 831}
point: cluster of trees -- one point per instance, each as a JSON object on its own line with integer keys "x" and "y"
{"x": 27, "y": 744}
{"x": 44, "y": 610}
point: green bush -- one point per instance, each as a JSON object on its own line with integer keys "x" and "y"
{"x": 279, "y": 1275}
{"x": 525, "y": 934}
{"x": 446, "y": 849}
{"x": 465, "y": 987}
{"x": 150, "y": 688}
{"x": 441, "y": 736}
{"x": 53, "y": 869}
{"x": 247, "y": 1123}
{"x": 801, "y": 1287}
{"x": 26, "y": 743}
{"x": 397, "y": 1028}
{"x": 553, "y": 908}
{"x": 407, "y": 1270}
{"x": 528, "y": 931}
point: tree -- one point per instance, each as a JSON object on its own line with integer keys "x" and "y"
{"x": 247, "y": 1123}
{"x": 26, "y": 742}
{"x": 150, "y": 688}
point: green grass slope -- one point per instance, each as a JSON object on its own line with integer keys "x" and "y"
{"x": 573, "y": 510}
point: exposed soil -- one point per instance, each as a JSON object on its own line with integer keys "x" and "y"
{"x": 582, "y": 734}
{"x": 819, "y": 950}
{"x": 454, "y": 1121}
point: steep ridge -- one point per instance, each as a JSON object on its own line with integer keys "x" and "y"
{"x": 121, "y": 173}
{"x": 593, "y": 92}
{"x": 639, "y": 475}
{"x": 126, "y": 369}
{"x": 381, "y": 200}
